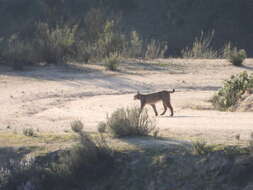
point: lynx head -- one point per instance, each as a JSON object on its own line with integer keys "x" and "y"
{"x": 137, "y": 96}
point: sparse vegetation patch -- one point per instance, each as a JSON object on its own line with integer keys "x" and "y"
{"x": 130, "y": 122}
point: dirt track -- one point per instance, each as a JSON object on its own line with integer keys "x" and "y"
{"x": 49, "y": 98}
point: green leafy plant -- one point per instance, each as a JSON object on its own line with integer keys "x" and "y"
{"x": 55, "y": 43}
{"x": 237, "y": 57}
{"x": 18, "y": 53}
{"x": 110, "y": 39}
{"x": 232, "y": 90}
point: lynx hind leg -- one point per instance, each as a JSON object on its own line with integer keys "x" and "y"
{"x": 142, "y": 105}
{"x": 165, "y": 108}
{"x": 171, "y": 109}
{"x": 154, "y": 108}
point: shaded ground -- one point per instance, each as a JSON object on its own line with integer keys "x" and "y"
{"x": 49, "y": 98}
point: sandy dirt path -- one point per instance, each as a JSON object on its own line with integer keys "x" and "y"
{"x": 49, "y": 98}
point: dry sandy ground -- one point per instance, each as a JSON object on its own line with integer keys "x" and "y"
{"x": 49, "y": 98}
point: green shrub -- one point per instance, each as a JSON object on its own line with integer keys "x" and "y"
{"x": 130, "y": 122}
{"x": 110, "y": 40}
{"x": 133, "y": 48}
{"x": 18, "y": 53}
{"x": 95, "y": 20}
{"x": 227, "y": 50}
{"x": 237, "y": 57}
{"x": 84, "y": 52}
{"x": 29, "y": 132}
{"x": 233, "y": 55}
{"x": 55, "y": 44}
{"x": 155, "y": 49}
{"x": 230, "y": 93}
{"x": 112, "y": 62}
{"x": 76, "y": 126}
{"x": 101, "y": 127}
{"x": 201, "y": 48}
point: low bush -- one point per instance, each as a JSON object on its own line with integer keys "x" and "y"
{"x": 29, "y": 132}
{"x": 232, "y": 90}
{"x": 130, "y": 122}
{"x": 112, "y": 62}
{"x": 76, "y": 126}
{"x": 201, "y": 48}
{"x": 155, "y": 49}
{"x": 101, "y": 127}
{"x": 237, "y": 57}
{"x": 233, "y": 55}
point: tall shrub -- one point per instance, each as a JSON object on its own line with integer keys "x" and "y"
{"x": 55, "y": 43}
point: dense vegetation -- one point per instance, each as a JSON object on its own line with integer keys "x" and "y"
{"x": 94, "y": 165}
{"x": 232, "y": 90}
{"x": 177, "y": 23}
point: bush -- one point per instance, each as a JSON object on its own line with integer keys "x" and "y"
{"x": 29, "y": 132}
{"x": 155, "y": 49}
{"x": 110, "y": 40}
{"x": 227, "y": 50}
{"x": 18, "y": 53}
{"x": 232, "y": 91}
{"x": 55, "y": 44}
{"x": 76, "y": 126}
{"x": 95, "y": 20}
{"x": 237, "y": 57}
{"x": 233, "y": 55}
{"x": 133, "y": 48}
{"x": 130, "y": 122}
{"x": 101, "y": 127}
{"x": 201, "y": 48}
{"x": 112, "y": 62}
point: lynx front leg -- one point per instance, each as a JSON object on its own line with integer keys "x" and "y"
{"x": 154, "y": 108}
